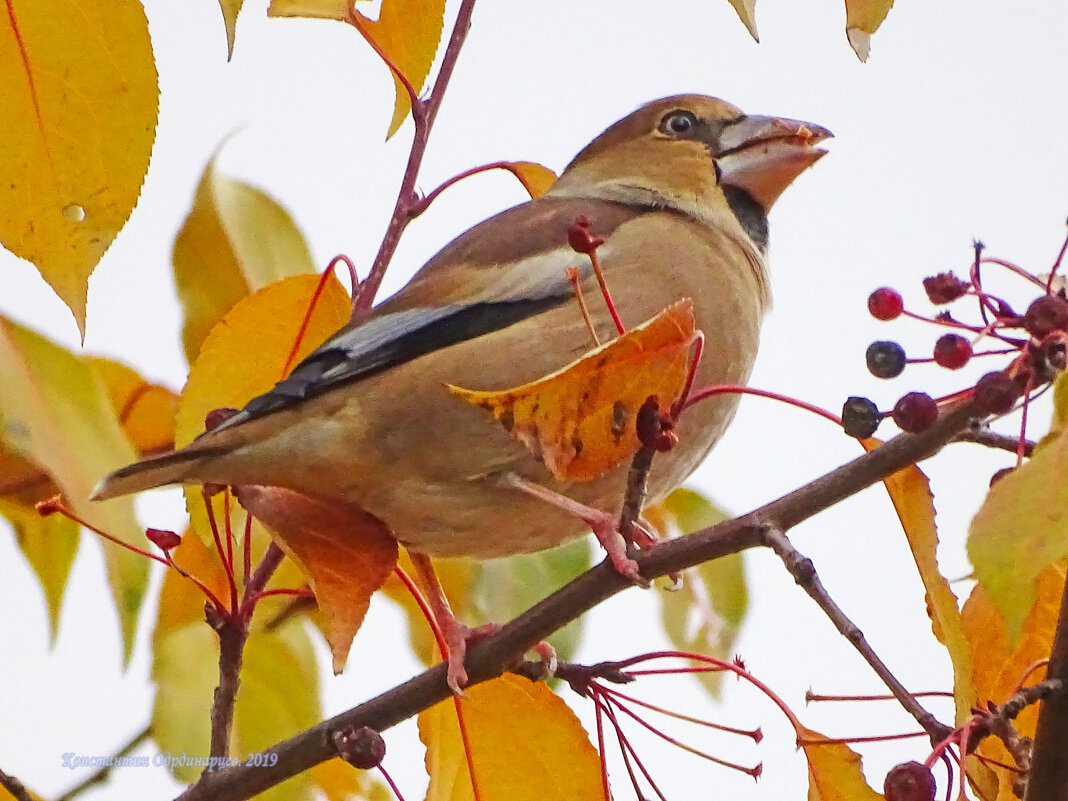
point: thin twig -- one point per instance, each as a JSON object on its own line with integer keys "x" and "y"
{"x": 101, "y": 775}
{"x": 491, "y": 656}
{"x": 423, "y": 115}
{"x": 804, "y": 573}
{"x": 1005, "y": 442}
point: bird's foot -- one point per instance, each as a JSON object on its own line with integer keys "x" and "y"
{"x": 604, "y": 525}
{"x": 457, "y": 637}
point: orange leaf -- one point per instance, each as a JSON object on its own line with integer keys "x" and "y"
{"x": 999, "y": 667}
{"x": 344, "y": 553}
{"x": 863, "y": 18}
{"x": 146, "y": 411}
{"x": 181, "y": 602}
{"x": 580, "y": 419}
{"x": 835, "y": 771}
{"x": 549, "y": 756}
{"x": 77, "y": 122}
{"x": 536, "y": 179}
{"x": 245, "y": 354}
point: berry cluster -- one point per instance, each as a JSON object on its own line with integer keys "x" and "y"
{"x": 1037, "y": 340}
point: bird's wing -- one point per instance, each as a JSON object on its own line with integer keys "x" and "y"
{"x": 508, "y": 268}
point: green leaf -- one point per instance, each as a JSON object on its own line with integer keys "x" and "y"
{"x": 502, "y": 588}
{"x": 56, "y": 413}
{"x": 704, "y": 615}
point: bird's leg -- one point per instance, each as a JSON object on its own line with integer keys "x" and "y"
{"x": 605, "y": 526}
{"x": 456, "y": 634}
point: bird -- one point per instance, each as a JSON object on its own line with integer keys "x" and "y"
{"x": 679, "y": 192}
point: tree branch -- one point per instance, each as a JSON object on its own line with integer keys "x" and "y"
{"x": 490, "y": 657}
{"x": 804, "y": 573}
{"x": 1048, "y": 780}
{"x": 15, "y": 787}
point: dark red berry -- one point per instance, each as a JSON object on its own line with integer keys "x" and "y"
{"x": 216, "y": 417}
{"x": 1000, "y": 474}
{"x": 363, "y": 748}
{"x": 909, "y": 781}
{"x": 885, "y": 303}
{"x": 164, "y": 540}
{"x": 952, "y": 351}
{"x": 1045, "y": 315}
{"x": 944, "y": 288}
{"x": 581, "y": 238}
{"x": 915, "y": 412}
{"x": 885, "y": 359}
{"x": 995, "y": 393}
{"x": 860, "y": 417}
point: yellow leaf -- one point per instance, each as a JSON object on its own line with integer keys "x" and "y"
{"x": 1019, "y": 530}
{"x": 49, "y": 545}
{"x": 409, "y": 32}
{"x": 278, "y": 696}
{"x": 246, "y": 354}
{"x": 1000, "y": 667}
{"x": 344, "y": 553}
{"x": 145, "y": 411}
{"x": 536, "y": 179}
{"x": 549, "y": 756}
{"x": 835, "y": 771}
{"x": 77, "y": 122}
{"x": 55, "y": 412}
{"x": 746, "y": 10}
{"x": 863, "y": 18}
{"x": 340, "y": 781}
{"x": 580, "y": 420}
{"x": 315, "y": 9}
{"x": 910, "y": 492}
{"x": 230, "y": 10}
{"x": 706, "y": 612}
{"x": 235, "y": 241}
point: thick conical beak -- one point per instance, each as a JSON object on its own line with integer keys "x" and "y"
{"x": 763, "y": 155}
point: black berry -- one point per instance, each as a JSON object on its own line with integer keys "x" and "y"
{"x": 860, "y": 417}
{"x": 915, "y": 412}
{"x": 909, "y": 781}
{"x": 995, "y": 393}
{"x": 1045, "y": 315}
{"x": 885, "y": 303}
{"x": 952, "y": 351}
{"x": 885, "y": 359}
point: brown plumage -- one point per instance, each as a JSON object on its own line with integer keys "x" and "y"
{"x": 678, "y": 190}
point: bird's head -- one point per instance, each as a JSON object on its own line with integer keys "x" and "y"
{"x": 699, "y": 155}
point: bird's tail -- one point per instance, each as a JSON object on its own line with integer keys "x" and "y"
{"x": 175, "y": 467}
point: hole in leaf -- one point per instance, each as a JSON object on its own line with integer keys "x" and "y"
{"x": 74, "y": 212}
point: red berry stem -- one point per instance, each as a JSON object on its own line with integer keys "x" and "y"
{"x": 1056, "y": 265}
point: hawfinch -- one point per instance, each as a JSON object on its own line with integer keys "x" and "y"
{"x": 679, "y": 191}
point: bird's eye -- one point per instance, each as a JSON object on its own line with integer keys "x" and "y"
{"x": 678, "y": 123}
